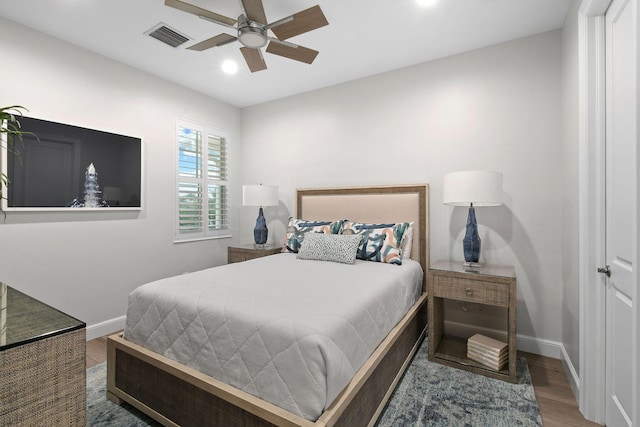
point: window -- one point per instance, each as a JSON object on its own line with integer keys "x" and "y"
{"x": 202, "y": 186}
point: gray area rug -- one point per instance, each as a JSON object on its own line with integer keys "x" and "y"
{"x": 429, "y": 394}
{"x": 103, "y": 412}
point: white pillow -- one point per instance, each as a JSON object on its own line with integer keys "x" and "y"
{"x": 407, "y": 242}
{"x": 330, "y": 247}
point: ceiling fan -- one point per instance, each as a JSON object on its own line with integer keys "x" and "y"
{"x": 252, "y": 31}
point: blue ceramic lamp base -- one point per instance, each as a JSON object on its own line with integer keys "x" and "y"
{"x": 471, "y": 242}
{"x": 260, "y": 233}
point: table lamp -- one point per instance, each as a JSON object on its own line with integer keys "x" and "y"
{"x": 472, "y": 188}
{"x": 260, "y": 195}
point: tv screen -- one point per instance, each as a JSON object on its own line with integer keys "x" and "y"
{"x": 73, "y": 167}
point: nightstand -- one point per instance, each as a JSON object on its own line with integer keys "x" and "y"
{"x": 492, "y": 285}
{"x": 247, "y": 252}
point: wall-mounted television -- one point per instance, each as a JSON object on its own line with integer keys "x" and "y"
{"x": 71, "y": 167}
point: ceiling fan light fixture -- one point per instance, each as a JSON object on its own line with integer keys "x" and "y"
{"x": 252, "y": 36}
{"x": 229, "y": 67}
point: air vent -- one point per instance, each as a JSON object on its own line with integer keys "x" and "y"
{"x": 167, "y": 35}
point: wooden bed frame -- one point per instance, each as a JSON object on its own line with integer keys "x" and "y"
{"x": 175, "y": 395}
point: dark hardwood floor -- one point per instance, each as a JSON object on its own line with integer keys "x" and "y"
{"x": 558, "y": 406}
{"x": 96, "y": 351}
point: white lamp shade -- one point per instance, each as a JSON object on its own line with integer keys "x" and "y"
{"x": 482, "y": 188}
{"x": 260, "y": 195}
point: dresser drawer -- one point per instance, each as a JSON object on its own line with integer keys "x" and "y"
{"x": 471, "y": 291}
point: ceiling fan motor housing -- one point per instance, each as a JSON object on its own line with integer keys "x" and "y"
{"x": 251, "y": 34}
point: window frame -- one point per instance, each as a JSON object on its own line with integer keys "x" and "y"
{"x": 205, "y": 233}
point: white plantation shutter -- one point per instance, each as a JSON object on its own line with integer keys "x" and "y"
{"x": 202, "y": 182}
{"x": 190, "y": 208}
{"x": 217, "y": 173}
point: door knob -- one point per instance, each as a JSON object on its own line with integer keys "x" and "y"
{"x": 606, "y": 270}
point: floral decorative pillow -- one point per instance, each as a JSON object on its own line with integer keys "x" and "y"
{"x": 330, "y": 247}
{"x": 380, "y": 242}
{"x": 298, "y": 228}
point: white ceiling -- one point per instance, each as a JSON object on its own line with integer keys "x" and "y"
{"x": 364, "y": 37}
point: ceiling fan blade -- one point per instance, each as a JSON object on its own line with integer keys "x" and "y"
{"x": 219, "y": 40}
{"x": 302, "y": 22}
{"x": 254, "y": 59}
{"x": 255, "y": 11}
{"x": 198, "y": 11}
{"x": 299, "y": 53}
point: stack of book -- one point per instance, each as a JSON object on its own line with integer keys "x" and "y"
{"x": 487, "y": 351}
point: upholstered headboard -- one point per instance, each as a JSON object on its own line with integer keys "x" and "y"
{"x": 388, "y": 204}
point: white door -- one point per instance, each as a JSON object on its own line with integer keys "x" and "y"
{"x": 621, "y": 182}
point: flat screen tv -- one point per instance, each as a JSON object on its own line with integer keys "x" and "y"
{"x": 71, "y": 167}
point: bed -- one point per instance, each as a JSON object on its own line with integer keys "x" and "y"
{"x": 177, "y": 394}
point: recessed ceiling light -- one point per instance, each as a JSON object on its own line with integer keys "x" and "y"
{"x": 229, "y": 67}
{"x": 426, "y": 3}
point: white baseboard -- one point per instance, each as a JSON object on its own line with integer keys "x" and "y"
{"x": 543, "y": 347}
{"x": 572, "y": 375}
{"x": 465, "y": 330}
{"x": 107, "y": 327}
{"x": 555, "y": 350}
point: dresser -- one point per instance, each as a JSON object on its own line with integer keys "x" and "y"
{"x": 492, "y": 285}
{"x": 42, "y": 363}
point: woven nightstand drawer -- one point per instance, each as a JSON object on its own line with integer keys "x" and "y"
{"x": 245, "y": 253}
{"x": 471, "y": 291}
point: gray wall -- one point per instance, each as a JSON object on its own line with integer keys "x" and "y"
{"x": 496, "y": 108}
{"x": 87, "y": 263}
{"x": 570, "y": 271}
